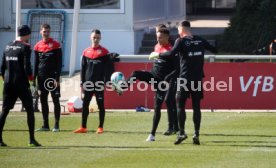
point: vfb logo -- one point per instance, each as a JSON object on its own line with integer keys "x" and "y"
{"x": 266, "y": 81}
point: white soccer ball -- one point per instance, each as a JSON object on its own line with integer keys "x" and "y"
{"x": 117, "y": 78}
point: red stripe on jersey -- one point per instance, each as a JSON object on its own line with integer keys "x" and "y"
{"x": 162, "y": 48}
{"x": 95, "y": 52}
{"x": 46, "y": 46}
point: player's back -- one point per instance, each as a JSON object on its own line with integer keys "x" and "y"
{"x": 192, "y": 58}
{"x": 16, "y": 63}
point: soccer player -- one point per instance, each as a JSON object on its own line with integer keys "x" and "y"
{"x": 48, "y": 64}
{"x": 96, "y": 68}
{"x": 191, "y": 52}
{"x": 170, "y": 95}
{"x": 171, "y": 101}
{"x": 16, "y": 72}
{"x": 272, "y": 48}
{"x": 161, "y": 68}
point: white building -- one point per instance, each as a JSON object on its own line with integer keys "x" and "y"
{"x": 122, "y": 22}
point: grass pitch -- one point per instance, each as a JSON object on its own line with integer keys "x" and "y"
{"x": 227, "y": 140}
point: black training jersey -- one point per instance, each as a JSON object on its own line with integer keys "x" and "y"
{"x": 95, "y": 64}
{"x": 16, "y": 65}
{"x": 191, "y": 53}
{"x": 48, "y": 59}
{"x": 163, "y": 66}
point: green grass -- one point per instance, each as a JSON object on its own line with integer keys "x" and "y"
{"x": 227, "y": 140}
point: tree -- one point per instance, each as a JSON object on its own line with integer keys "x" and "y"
{"x": 252, "y": 26}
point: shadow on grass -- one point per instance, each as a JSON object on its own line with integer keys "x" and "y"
{"x": 241, "y": 143}
{"x": 146, "y": 132}
{"x": 230, "y": 143}
{"x": 89, "y": 131}
{"x": 73, "y": 146}
{"x": 241, "y": 135}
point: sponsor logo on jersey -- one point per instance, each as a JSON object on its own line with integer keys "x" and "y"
{"x": 10, "y": 58}
{"x": 99, "y": 51}
{"x": 95, "y": 61}
{"x": 196, "y": 42}
{"x": 198, "y": 53}
{"x": 187, "y": 43}
{"x": 48, "y": 54}
{"x": 13, "y": 47}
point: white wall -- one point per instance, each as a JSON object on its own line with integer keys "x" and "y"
{"x": 117, "y": 30}
{"x": 176, "y": 8}
{"x": 147, "y": 13}
{"x": 6, "y": 28}
{"x": 145, "y": 10}
{"x": 6, "y": 18}
{"x": 111, "y": 40}
{"x": 6, "y": 25}
{"x": 5, "y": 38}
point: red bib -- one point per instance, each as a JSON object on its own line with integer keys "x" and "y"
{"x": 95, "y": 52}
{"x": 162, "y": 48}
{"x": 46, "y": 46}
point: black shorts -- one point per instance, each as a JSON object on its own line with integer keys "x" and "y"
{"x": 12, "y": 92}
{"x": 192, "y": 88}
{"x": 46, "y": 84}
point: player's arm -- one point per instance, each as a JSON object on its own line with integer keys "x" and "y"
{"x": 108, "y": 67}
{"x": 176, "y": 49}
{"x": 175, "y": 72}
{"x": 83, "y": 69}
{"x": 114, "y": 57}
{"x": 27, "y": 62}
{"x": 36, "y": 63}
{"x": 3, "y": 65}
{"x": 59, "y": 63}
{"x": 209, "y": 47}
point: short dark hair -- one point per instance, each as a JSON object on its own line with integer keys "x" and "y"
{"x": 185, "y": 23}
{"x": 164, "y": 31}
{"x": 23, "y": 30}
{"x": 161, "y": 26}
{"x": 96, "y": 31}
{"x": 45, "y": 26}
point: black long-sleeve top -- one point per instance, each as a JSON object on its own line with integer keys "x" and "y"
{"x": 16, "y": 65}
{"x": 164, "y": 65}
{"x": 48, "y": 59}
{"x": 191, "y": 53}
{"x": 96, "y": 65}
